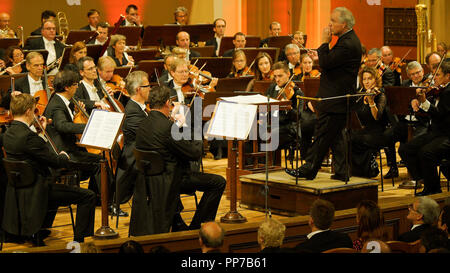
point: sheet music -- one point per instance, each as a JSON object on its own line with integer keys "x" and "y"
{"x": 249, "y": 99}
{"x": 232, "y": 120}
{"x": 102, "y": 128}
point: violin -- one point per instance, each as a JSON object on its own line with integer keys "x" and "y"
{"x": 247, "y": 70}
{"x": 202, "y": 76}
{"x": 287, "y": 92}
{"x": 297, "y": 69}
{"x": 268, "y": 77}
{"x": 431, "y": 90}
{"x": 398, "y": 63}
{"x": 313, "y": 74}
{"x": 243, "y": 73}
{"x": 117, "y": 84}
{"x": 41, "y": 129}
{"x": 5, "y": 116}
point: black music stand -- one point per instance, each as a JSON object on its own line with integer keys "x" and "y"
{"x": 252, "y": 52}
{"x": 123, "y": 71}
{"x": 143, "y": 54}
{"x": 160, "y": 35}
{"x": 65, "y": 57}
{"x": 78, "y": 35}
{"x": 279, "y": 41}
{"x": 233, "y": 84}
{"x": 94, "y": 51}
{"x": 205, "y": 51}
{"x": 7, "y": 42}
{"x": 132, "y": 33}
{"x": 150, "y": 66}
{"x": 43, "y": 52}
{"x": 215, "y": 65}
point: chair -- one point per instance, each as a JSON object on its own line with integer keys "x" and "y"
{"x": 444, "y": 164}
{"x": 404, "y": 247}
{"x": 148, "y": 163}
{"x": 381, "y": 171}
{"x": 341, "y": 250}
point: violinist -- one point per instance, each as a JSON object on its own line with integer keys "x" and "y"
{"x": 113, "y": 84}
{"x": 262, "y": 69}
{"x": 306, "y": 65}
{"x": 293, "y": 60}
{"x": 16, "y": 59}
{"x": 44, "y": 196}
{"x": 298, "y": 38}
{"x": 374, "y": 60}
{"x": 286, "y": 131}
{"x": 239, "y": 41}
{"x": 371, "y": 112}
{"x": 423, "y": 153}
{"x": 63, "y": 129}
{"x": 78, "y": 51}
{"x": 239, "y": 66}
{"x": 432, "y": 60}
{"x": 34, "y": 81}
{"x": 89, "y": 90}
{"x": 116, "y": 50}
{"x": 415, "y": 73}
{"x": 102, "y": 37}
{"x": 165, "y": 76}
{"x": 138, "y": 87}
{"x": 387, "y": 57}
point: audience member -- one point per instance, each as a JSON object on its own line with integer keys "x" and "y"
{"x": 444, "y": 221}
{"x": 322, "y": 238}
{"x": 271, "y": 235}
{"x": 130, "y": 247}
{"x": 423, "y": 213}
{"x": 370, "y": 222}
{"x": 211, "y": 235}
{"x": 433, "y": 238}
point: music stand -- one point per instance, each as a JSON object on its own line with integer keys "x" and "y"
{"x": 78, "y": 35}
{"x": 132, "y": 33}
{"x": 123, "y": 71}
{"x": 160, "y": 35}
{"x": 150, "y": 66}
{"x": 261, "y": 86}
{"x": 205, "y": 51}
{"x": 43, "y": 52}
{"x": 65, "y": 57}
{"x": 7, "y": 42}
{"x": 94, "y": 51}
{"x": 232, "y": 84}
{"x": 279, "y": 41}
{"x": 252, "y": 52}
{"x": 143, "y": 54}
{"x": 199, "y": 32}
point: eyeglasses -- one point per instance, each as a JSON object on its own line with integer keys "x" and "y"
{"x": 50, "y": 28}
{"x": 144, "y": 86}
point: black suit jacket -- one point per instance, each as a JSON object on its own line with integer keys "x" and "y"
{"x": 324, "y": 241}
{"x": 35, "y": 44}
{"x": 36, "y": 32}
{"x": 413, "y": 235}
{"x": 156, "y": 215}
{"x": 193, "y": 54}
{"x": 82, "y": 95}
{"x": 291, "y": 115}
{"x": 339, "y": 67}
{"x": 228, "y": 53}
{"x": 22, "y": 144}
{"x": 212, "y": 42}
{"x": 388, "y": 78}
{"x": 87, "y": 27}
{"x": 22, "y": 85}
{"x": 440, "y": 114}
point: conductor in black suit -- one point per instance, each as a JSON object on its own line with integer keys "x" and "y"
{"x": 48, "y": 42}
{"x": 155, "y": 134}
{"x": 340, "y": 67}
{"x": 321, "y": 238}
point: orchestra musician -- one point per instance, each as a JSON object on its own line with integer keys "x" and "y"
{"x": 181, "y": 16}
{"x": 239, "y": 66}
{"x": 239, "y": 41}
{"x": 262, "y": 69}
{"x": 116, "y": 50}
{"x": 298, "y": 38}
{"x": 442, "y": 50}
{"x": 432, "y": 60}
{"x": 340, "y": 66}
{"x": 48, "y": 42}
{"x": 157, "y": 214}
{"x": 46, "y": 15}
{"x": 93, "y": 16}
{"x": 89, "y": 90}
{"x": 40, "y": 201}
{"x": 132, "y": 17}
{"x": 374, "y": 60}
{"x": 306, "y": 66}
{"x": 282, "y": 89}
{"x": 293, "y": 60}
{"x": 220, "y": 26}
{"x": 183, "y": 40}
{"x": 138, "y": 86}
{"x": 112, "y": 83}
{"x": 78, "y": 51}
{"x": 34, "y": 81}
{"x": 102, "y": 37}
{"x": 16, "y": 59}
{"x": 5, "y": 30}
{"x": 387, "y": 57}
{"x": 423, "y": 153}
{"x": 63, "y": 129}
{"x": 274, "y": 31}
{"x": 165, "y": 76}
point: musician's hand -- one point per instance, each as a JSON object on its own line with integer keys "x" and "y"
{"x": 421, "y": 95}
{"x": 10, "y": 71}
{"x": 313, "y": 54}
{"x": 311, "y": 107}
{"x": 181, "y": 119}
{"x": 415, "y": 105}
{"x": 64, "y": 153}
{"x": 326, "y": 35}
{"x": 82, "y": 105}
{"x": 15, "y": 93}
{"x": 130, "y": 60}
{"x": 213, "y": 82}
{"x": 101, "y": 105}
{"x": 370, "y": 99}
{"x": 43, "y": 121}
{"x": 110, "y": 91}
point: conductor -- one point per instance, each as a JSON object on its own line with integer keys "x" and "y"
{"x": 339, "y": 66}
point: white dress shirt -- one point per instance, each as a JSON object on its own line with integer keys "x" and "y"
{"x": 66, "y": 102}
{"x": 35, "y": 85}
{"x": 92, "y": 91}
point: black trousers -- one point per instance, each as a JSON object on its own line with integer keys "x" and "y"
{"x": 212, "y": 186}
{"x": 329, "y": 133}
{"x": 63, "y": 195}
{"x": 422, "y": 155}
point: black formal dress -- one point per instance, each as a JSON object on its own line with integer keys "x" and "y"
{"x": 126, "y": 174}
{"x": 156, "y": 215}
{"x": 21, "y": 143}
{"x": 339, "y": 67}
{"x": 423, "y": 153}
{"x": 325, "y": 240}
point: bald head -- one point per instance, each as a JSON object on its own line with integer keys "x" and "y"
{"x": 211, "y": 236}
{"x": 183, "y": 39}
{"x": 4, "y": 20}
{"x": 387, "y": 56}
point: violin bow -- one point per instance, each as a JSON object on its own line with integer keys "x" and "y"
{"x": 248, "y": 69}
{"x": 284, "y": 87}
{"x": 404, "y": 56}
{"x": 157, "y": 77}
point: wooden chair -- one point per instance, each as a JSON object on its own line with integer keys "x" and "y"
{"x": 404, "y": 247}
{"x": 341, "y": 250}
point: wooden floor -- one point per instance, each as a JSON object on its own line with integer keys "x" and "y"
{"x": 64, "y": 234}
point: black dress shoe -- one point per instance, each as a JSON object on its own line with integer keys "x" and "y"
{"x": 44, "y": 233}
{"x": 300, "y": 173}
{"x": 112, "y": 210}
{"x": 340, "y": 177}
{"x": 219, "y": 154}
{"x": 392, "y": 173}
{"x": 37, "y": 240}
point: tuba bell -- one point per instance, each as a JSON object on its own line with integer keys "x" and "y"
{"x": 63, "y": 25}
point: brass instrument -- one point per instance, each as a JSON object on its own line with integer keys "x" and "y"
{"x": 7, "y": 33}
{"x": 426, "y": 39}
{"x": 22, "y": 41}
{"x": 63, "y": 25}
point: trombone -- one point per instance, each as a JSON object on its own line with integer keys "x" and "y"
{"x": 63, "y": 25}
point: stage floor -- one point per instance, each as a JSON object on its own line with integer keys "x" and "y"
{"x": 64, "y": 234}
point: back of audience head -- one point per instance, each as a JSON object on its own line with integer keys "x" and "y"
{"x": 271, "y": 233}
{"x": 159, "y": 249}
{"x": 370, "y": 221}
{"x": 211, "y": 236}
{"x": 321, "y": 214}
{"x": 131, "y": 247}
{"x": 433, "y": 238}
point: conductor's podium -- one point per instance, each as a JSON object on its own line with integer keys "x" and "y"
{"x": 285, "y": 197}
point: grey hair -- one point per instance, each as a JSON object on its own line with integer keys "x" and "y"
{"x": 375, "y": 50}
{"x": 180, "y": 9}
{"x": 292, "y": 46}
{"x": 134, "y": 81}
{"x": 272, "y": 232}
{"x": 413, "y": 65}
{"x": 429, "y": 208}
{"x": 346, "y": 16}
